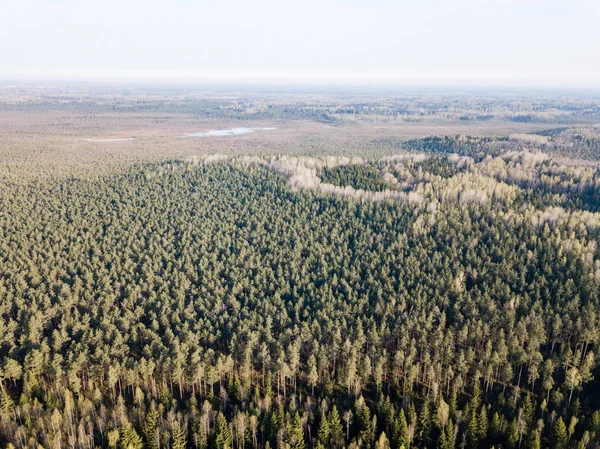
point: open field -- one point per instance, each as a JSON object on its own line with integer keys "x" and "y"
{"x": 58, "y": 131}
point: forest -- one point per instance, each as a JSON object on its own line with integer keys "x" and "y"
{"x": 444, "y": 296}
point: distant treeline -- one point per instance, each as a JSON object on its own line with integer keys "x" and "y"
{"x": 320, "y": 108}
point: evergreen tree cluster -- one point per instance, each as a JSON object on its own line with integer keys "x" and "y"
{"x": 213, "y": 307}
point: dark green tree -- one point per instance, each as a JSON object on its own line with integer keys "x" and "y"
{"x": 559, "y": 434}
{"x": 151, "y": 437}
{"x": 222, "y": 433}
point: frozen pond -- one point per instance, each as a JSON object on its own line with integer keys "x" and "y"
{"x": 228, "y": 132}
{"x": 110, "y": 140}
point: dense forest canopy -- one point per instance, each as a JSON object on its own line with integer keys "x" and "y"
{"x": 380, "y": 270}
{"x": 420, "y": 300}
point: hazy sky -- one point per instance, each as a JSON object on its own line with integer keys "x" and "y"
{"x": 534, "y": 42}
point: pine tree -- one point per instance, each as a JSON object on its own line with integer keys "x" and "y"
{"x": 313, "y": 374}
{"x": 442, "y": 413}
{"x": 348, "y": 416}
{"x": 199, "y": 434}
{"x": 572, "y": 425}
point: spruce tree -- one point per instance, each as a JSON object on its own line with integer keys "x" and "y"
{"x": 323, "y": 431}
{"x": 411, "y": 415}
{"x": 446, "y": 437}
{"x": 528, "y": 412}
{"x": 336, "y": 430}
{"x": 150, "y": 429}
{"x": 514, "y": 435}
{"x": 473, "y": 431}
{"x": 595, "y": 424}
{"x": 559, "y": 434}
{"x": 453, "y": 403}
{"x": 482, "y": 423}
{"x": 399, "y": 435}
{"x": 6, "y": 405}
{"x": 297, "y": 433}
{"x": 424, "y": 425}
{"x": 365, "y": 424}
{"x": 382, "y": 442}
{"x": 178, "y": 440}
{"x": 129, "y": 438}
{"x": 222, "y": 433}
{"x": 495, "y": 424}
{"x": 534, "y": 441}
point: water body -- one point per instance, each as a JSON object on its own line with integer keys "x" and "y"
{"x": 228, "y": 132}
{"x": 110, "y": 140}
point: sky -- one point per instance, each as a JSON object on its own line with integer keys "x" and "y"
{"x": 387, "y": 42}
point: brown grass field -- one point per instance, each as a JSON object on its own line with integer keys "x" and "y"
{"x": 54, "y": 141}
{"x": 44, "y": 133}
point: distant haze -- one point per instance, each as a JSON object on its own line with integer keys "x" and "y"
{"x": 483, "y": 42}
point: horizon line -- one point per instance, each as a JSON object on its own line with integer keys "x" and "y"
{"x": 383, "y": 78}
